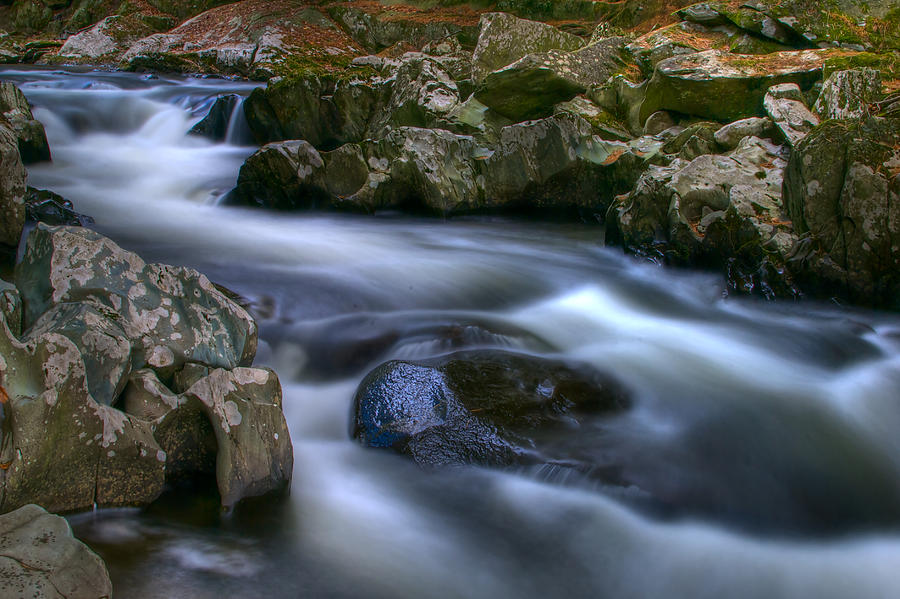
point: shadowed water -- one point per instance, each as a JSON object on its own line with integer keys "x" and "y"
{"x": 760, "y": 459}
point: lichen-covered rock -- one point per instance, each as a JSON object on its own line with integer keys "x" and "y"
{"x": 12, "y": 186}
{"x": 784, "y": 105}
{"x": 109, "y": 36}
{"x": 724, "y": 212}
{"x": 233, "y": 417}
{"x": 171, "y": 315}
{"x": 39, "y": 557}
{"x": 842, "y": 187}
{"x": 847, "y": 94}
{"x": 531, "y": 86}
{"x": 32, "y": 139}
{"x": 503, "y": 39}
{"x": 726, "y": 87}
{"x": 482, "y": 407}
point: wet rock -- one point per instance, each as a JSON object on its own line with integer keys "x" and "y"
{"x": 51, "y": 208}
{"x": 39, "y": 557}
{"x": 483, "y": 407}
{"x": 12, "y": 186}
{"x": 32, "y": 139}
{"x": 841, "y": 187}
{"x": 725, "y": 87}
{"x": 503, "y": 39}
{"x": 784, "y": 105}
{"x": 282, "y": 175}
{"x": 729, "y": 136}
{"x": 847, "y": 94}
{"x": 214, "y": 126}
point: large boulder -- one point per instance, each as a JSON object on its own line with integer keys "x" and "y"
{"x": 12, "y": 186}
{"x": 110, "y": 36}
{"x": 504, "y": 39}
{"x": 32, "y": 139}
{"x": 87, "y": 319}
{"x": 552, "y": 164}
{"x": 786, "y": 107}
{"x": 483, "y": 407}
{"x": 847, "y": 94}
{"x": 531, "y": 86}
{"x": 725, "y": 87}
{"x": 842, "y": 187}
{"x": 39, "y": 557}
{"x": 724, "y": 212}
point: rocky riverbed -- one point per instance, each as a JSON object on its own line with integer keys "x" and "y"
{"x": 758, "y": 141}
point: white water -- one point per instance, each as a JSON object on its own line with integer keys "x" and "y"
{"x": 756, "y": 413}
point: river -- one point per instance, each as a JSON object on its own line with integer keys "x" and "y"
{"x": 771, "y": 427}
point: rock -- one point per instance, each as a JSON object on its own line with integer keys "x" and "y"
{"x": 503, "y": 39}
{"x": 484, "y": 407}
{"x": 723, "y": 212}
{"x": 109, "y": 36}
{"x": 658, "y": 122}
{"x": 695, "y": 140}
{"x": 534, "y": 84}
{"x": 784, "y": 105}
{"x": 729, "y": 136}
{"x": 12, "y": 186}
{"x": 241, "y": 408}
{"x": 422, "y": 94}
{"x": 214, "y": 126}
{"x": 553, "y": 164}
{"x": 847, "y": 94}
{"x": 841, "y": 187}
{"x": 51, "y": 208}
{"x": 726, "y": 87}
{"x": 100, "y": 329}
{"x": 171, "y": 315}
{"x": 32, "y": 140}
{"x": 39, "y": 557}
{"x": 603, "y": 123}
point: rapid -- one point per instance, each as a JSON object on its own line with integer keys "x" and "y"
{"x": 773, "y": 429}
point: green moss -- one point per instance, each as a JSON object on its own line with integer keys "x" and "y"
{"x": 888, "y": 63}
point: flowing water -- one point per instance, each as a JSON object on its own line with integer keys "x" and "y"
{"x": 770, "y": 429}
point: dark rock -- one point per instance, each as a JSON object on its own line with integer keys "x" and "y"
{"x": 51, "y": 208}
{"x": 482, "y": 407}
{"x": 12, "y": 187}
{"x": 214, "y": 126}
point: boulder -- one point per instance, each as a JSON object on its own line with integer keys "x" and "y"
{"x": 32, "y": 139}
{"x": 485, "y": 407}
{"x": 729, "y": 136}
{"x": 726, "y": 87}
{"x": 784, "y": 105}
{"x": 39, "y": 557}
{"x": 842, "y": 188}
{"x": 170, "y": 315}
{"x": 847, "y": 94}
{"x": 51, "y": 208}
{"x": 723, "y": 212}
{"x": 111, "y": 35}
{"x": 531, "y": 86}
{"x": 12, "y": 186}
{"x": 214, "y": 126}
{"x": 503, "y": 39}
{"x": 88, "y": 336}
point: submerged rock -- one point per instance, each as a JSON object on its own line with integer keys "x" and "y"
{"x": 490, "y": 408}
{"x": 39, "y": 557}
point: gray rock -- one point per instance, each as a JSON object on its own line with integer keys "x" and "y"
{"x": 12, "y": 186}
{"x": 725, "y": 87}
{"x": 32, "y": 139}
{"x": 97, "y": 41}
{"x": 847, "y": 94}
{"x": 729, "y": 136}
{"x": 784, "y": 105}
{"x": 658, "y": 122}
{"x": 842, "y": 188}
{"x": 503, "y": 39}
{"x": 39, "y": 557}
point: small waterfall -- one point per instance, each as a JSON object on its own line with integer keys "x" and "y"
{"x": 238, "y": 133}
